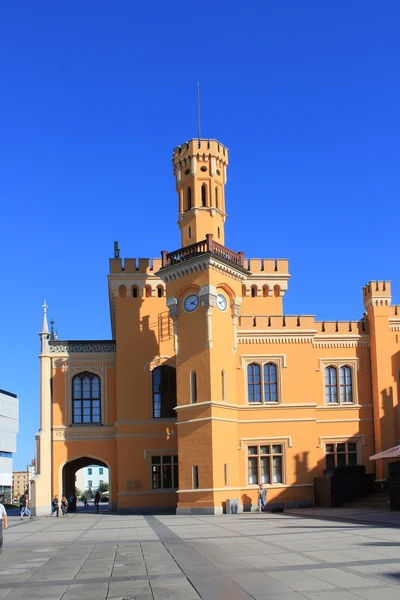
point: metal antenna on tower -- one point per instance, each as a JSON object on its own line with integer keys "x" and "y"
{"x": 198, "y": 112}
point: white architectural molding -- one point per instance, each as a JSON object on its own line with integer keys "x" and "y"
{"x": 341, "y": 438}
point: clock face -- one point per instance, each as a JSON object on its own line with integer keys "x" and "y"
{"x": 221, "y": 302}
{"x": 191, "y": 303}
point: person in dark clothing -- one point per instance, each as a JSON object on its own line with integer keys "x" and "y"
{"x": 97, "y": 500}
{"x": 55, "y": 507}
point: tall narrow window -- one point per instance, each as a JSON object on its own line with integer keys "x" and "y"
{"x": 86, "y": 398}
{"x": 193, "y": 387}
{"x": 135, "y": 291}
{"x": 189, "y": 198}
{"x": 189, "y": 232}
{"x": 164, "y": 392}
{"x": 216, "y": 198}
{"x": 122, "y": 291}
{"x": 330, "y": 385}
{"x": 223, "y": 386}
{"x": 160, "y": 291}
{"x": 147, "y": 291}
{"x": 270, "y": 383}
{"x": 254, "y": 382}
{"x": 195, "y": 477}
{"x": 253, "y": 291}
{"x": 204, "y": 195}
{"x": 226, "y": 475}
{"x": 346, "y": 394}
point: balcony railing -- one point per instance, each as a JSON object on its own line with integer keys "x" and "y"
{"x": 205, "y": 246}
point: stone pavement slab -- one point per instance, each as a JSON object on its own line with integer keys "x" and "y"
{"x": 237, "y": 557}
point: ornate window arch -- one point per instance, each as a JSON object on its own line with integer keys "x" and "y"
{"x": 86, "y": 398}
{"x": 345, "y": 384}
{"x": 270, "y": 382}
{"x": 164, "y": 392}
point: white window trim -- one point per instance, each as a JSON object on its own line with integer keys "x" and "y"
{"x": 279, "y": 360}
{"x": 353, "y": 363}
{"x": 265, "y": 442}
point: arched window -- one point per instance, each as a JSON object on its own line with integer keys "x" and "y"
{"x": 253, "y": 291}
{"x": 330, "y": 385}
{"x": 204, "y": 195}
{"x": 219, "y": 232}
{"x": 135, "y": 291}
{"x": 346, "y": 391}
{"x": 216, "y": 197}
{"x": 122, "y": 291}
{"x": 160, "y": 291}
{"x": 254, "y": 382}
{"x": 86, "y": 398}
{"x": 270, "y": 383}
{"x": 193, "y": 387}
{"x": 223, "y": 385}
{"x": 189, "y": 198}
{"x": 147, "y": 291}
{"x": 243, "y": 291}
{"x": 164, "y": 392}
{"x": 265, "y": 291}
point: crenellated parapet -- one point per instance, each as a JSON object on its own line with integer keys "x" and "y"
{"x": 295, "y": 329}
{"x": 267, "y": 277}
{"x": 377, "y": 294}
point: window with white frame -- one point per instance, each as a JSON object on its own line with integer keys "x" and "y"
{"x": 262, "y": 383}
{"x": 340, "y": 454}
{"x": 338, "y": 384}
{"x": 164, "y": 472}
{"x": 265, "y": 463}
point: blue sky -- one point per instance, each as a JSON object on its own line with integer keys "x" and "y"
{"x": 95, "y": 95}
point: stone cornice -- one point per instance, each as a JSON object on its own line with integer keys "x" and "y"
{"x": 87, "y": 433}
{"x": 277, "y": 336}
{"x": 82, "y": 347}
{"x": 394, "y": 324}
{"x": 305, "y": 336}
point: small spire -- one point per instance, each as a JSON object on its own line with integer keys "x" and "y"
{"x": 52, "y": 329}
{"x": 45, "y": 327}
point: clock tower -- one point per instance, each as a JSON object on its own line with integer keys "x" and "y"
{"x": 204, "y": 292}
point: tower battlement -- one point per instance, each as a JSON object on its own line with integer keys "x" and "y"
{"x": 202, "y": 149}
{"x": 135, "y": 265}
{"x": 377, "y": 293}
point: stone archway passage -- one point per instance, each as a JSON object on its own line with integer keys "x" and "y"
{"x": 69, "y": 471}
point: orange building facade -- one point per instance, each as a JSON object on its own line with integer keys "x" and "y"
{"x": 207, "y": 388}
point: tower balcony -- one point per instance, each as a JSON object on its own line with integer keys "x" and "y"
{"x": 207, "y": 246}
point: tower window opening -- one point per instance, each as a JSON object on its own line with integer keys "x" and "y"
{"x": 204, "y": 195}
{"x": 253, "y": 291}
{"x": 189, "y": 232}
{"x": 122, "y": 291}
{"x": 187, "y": 171}
{"x": 164, "y": 392}
{"x": 135, "y": 291}
{"x": 216, "y": 197}
{"x": 204, "y": 169}
{"x": 160, "y": 291}
{"x": 265, "y": 291}
{"x": 219, "y": 232}
{"x": 147, "y": 291}
{"x": 193, "y": 387}
{"x": 189, "y": 198}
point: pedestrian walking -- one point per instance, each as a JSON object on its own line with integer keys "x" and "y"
{"x": 85, "y": 501}
{"x": 55, "y": 506}
{"x": 3, "y": 524}
{"x": 25, "y": 511}
{"x": 64, "y": 506}
{"x": 97, "y": 500}
{"x": 262, "y": 497}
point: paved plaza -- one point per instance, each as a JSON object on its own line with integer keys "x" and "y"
{"x": 233, "y": 557}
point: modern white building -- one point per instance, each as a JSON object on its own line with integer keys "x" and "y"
{"x": 91, "y": 477}
{"x": 9, "y": 427}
